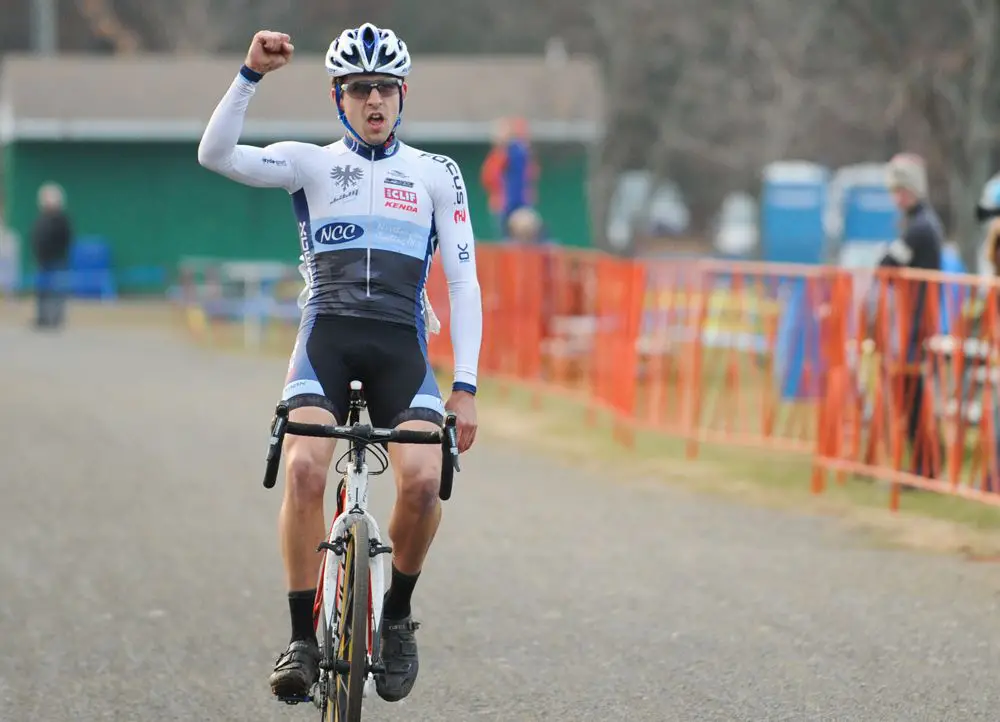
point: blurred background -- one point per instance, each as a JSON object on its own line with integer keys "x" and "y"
{"x": 753, "y": 129}
{"x": 679, "y": 207}
{"x": 669, "y": 134}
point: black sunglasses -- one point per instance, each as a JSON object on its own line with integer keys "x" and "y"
{"x": 362, "y": 89}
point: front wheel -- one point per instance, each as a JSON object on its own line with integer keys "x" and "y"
{"x": 345, "y": 691}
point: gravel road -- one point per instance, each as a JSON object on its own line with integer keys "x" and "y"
{"x": 140, "y": 577}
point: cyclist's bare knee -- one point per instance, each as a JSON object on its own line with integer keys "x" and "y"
{"x": 418, "y": 471}
{"x": 307, "y": 459}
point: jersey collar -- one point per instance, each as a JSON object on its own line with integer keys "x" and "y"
{"x": 386, "y": 150}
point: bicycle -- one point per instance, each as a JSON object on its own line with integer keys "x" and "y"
{"x": 353, "y": 563}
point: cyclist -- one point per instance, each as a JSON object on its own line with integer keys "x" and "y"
{"x": 371, "y": 210}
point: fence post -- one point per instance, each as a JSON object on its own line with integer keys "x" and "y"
{"x": 634, "y": 277}
{"x": 833, "y": 345}
{"x": 692, "y": 376}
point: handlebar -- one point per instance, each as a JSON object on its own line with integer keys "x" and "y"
{"x": 366, "y": 434}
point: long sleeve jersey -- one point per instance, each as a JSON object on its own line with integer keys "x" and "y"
{"x": 369, "y": 221}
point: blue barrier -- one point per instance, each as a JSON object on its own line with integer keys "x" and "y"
{"x": 90, "y": 272}
{"x": 105, "y": 285}
{"x": 953, "y": 295}
{"x": 797, "y": 342}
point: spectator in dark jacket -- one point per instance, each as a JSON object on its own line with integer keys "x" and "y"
{"x": 50, "y": 240}
{"x": 918, "y": 247}
{"x": 923, "y": 235}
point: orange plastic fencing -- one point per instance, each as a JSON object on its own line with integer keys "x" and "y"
{"x": 891, "y": 375}
{"x": 922, "y": 412}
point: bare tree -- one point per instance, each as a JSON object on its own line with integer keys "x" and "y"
{"x": 776, "y": 40}
{"x": 208, "y": 26}
{"x": 704, "y": 93}
{"x": 612, "y": 28}
{"x": 659, "y": 78}
{"x": 944, "y": 61}
{"x": 104, "y": 21}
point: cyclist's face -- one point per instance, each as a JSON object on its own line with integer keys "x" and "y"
{"x": 371, "y": 104}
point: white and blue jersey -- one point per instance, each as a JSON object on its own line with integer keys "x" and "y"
{"x": 369, "y": 220}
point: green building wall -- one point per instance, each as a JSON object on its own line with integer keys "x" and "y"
{"x": 155, "y": 204}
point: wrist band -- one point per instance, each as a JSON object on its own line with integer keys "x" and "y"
{"x": 250, "y": 74}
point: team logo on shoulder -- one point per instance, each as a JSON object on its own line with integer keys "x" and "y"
{"x": 346, "y": 178}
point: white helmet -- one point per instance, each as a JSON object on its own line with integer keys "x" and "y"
{"x": 367, "y": 49}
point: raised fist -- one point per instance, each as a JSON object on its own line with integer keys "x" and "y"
{"x": 269, "y": 51}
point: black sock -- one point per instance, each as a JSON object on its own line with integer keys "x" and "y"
{"x": 397, "y": 601}
{"x": 300, "y": 604}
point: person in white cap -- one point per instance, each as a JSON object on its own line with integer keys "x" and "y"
{"x": 923, "y": 235}
{"x": 920, "y": 247}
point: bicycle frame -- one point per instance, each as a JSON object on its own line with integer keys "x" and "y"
{"x": 355, "y": 503}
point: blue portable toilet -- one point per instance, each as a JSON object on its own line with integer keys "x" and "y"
{"x": 870, "y": 215}
{"x": 793, "y": 206}
{"x": 793, "y": 199}
{"x": 862, "y": 217}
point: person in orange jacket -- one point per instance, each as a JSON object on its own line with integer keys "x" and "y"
{"x": 509, "y": 172}
{"x": 491, "y": 176}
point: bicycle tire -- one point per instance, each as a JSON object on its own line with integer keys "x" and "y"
{"x": 330, "y": 708}
{"x": 356, "y": 588}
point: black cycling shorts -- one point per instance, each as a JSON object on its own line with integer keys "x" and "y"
{"x": 389, "y": 359}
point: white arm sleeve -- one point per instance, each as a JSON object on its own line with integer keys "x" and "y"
{"x": 458, "y": 259}
{"x": 275, "y": 166}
